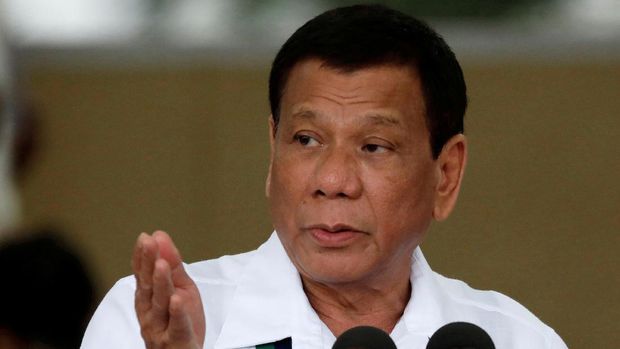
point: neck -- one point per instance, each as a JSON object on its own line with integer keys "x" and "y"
{"x": 343, "y": 306}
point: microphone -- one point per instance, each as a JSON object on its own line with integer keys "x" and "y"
{"x": 364, "y": 337}
{"x": 460, "y": 335}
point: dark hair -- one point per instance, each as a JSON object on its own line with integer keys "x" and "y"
{"x": 361, "y": 36}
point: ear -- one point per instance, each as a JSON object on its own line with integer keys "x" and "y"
{"x": 450, "y": 166}
{"x": 272, "y": 138}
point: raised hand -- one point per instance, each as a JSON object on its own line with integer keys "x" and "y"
{"x": 167, "y": 300}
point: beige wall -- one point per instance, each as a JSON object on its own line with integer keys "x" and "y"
{"x": 185, "y": 150}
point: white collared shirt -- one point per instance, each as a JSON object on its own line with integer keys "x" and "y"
{"x": 257, "y": 297}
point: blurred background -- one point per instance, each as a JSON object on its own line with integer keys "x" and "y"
{"x": 123, "y": 116}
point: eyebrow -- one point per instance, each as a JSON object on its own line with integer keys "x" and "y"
{"x": 372, "y": 118}
{"x": 381, "y": 119}
{"x": 305, "y": 114}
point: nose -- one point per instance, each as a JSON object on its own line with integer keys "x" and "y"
{"x": 337, "y": 176}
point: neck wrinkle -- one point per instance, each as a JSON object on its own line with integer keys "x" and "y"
{"x": 342, "y": 307}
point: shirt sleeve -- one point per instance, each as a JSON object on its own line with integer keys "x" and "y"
{"x": 114, "y": 324}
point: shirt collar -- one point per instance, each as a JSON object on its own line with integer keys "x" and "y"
{"x": 269, "y": 303}
{"x": 261, "y": 307}
{"x": 426, "y": 310}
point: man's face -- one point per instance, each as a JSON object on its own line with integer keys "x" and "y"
{"x": 352, "y": 180}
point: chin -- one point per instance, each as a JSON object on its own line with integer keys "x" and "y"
{"x": 333, "y": 269}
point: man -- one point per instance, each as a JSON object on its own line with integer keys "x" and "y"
{"x": 367, "y": 148}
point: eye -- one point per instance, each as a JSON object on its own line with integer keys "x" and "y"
{"x": 374, "y": 148}
{"x": 306, "y": 141}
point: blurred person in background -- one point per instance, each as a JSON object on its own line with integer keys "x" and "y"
{"x": 18, "y": 135}
{"x": 9, "y": 200}
{"x": 46, "y": 295}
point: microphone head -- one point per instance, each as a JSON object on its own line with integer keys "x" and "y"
{"x": 460, "y": 335}
{"x": 364, "y": 337}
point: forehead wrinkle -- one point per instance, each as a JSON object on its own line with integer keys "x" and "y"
{"x": 382, "y": 119}
{"x": 336, "y": 98}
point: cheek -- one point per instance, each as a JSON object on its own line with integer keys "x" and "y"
{"x": 287, "y": 189}
{"x": 287, "y": 177}
{"x": 403, "y": 203}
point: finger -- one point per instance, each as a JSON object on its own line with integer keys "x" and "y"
{"x": 171, "y": 254}
{"x": 137, "y": 255}
{"x": 140, "y": 302}
{"x": 148, "y": 256}
{"x": 147, "y": 252}
{"x": 167, "y": 248}
{"x": 180, "y": 328}
{"x": 162, "y": 291}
